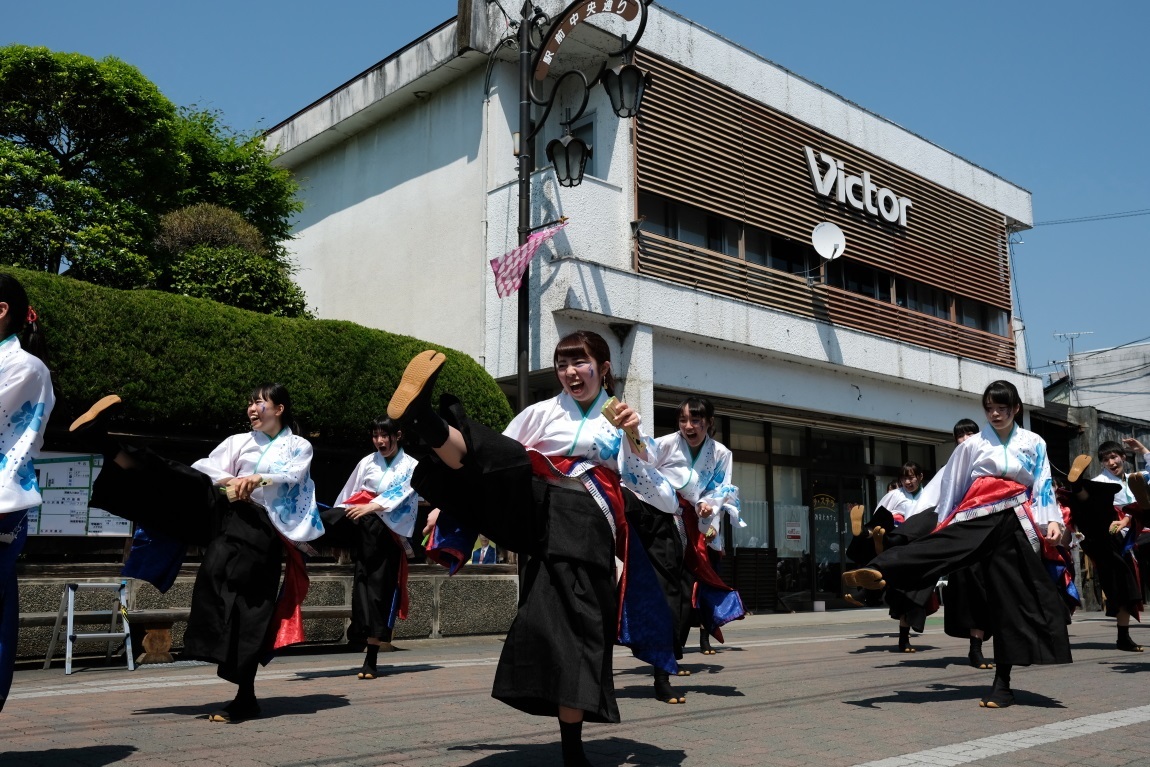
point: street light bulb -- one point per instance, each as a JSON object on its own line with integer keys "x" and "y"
{"x": 569, "y": 155}
{"x": 625, "y": 86}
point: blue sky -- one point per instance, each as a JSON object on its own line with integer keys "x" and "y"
{"x": 1049, "y": 94}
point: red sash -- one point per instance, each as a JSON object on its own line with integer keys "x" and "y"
{"x": 287, "y": 622}
{"x": 607, "y": 484}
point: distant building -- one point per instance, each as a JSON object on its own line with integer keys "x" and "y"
{"x": 688, "y": 248}
{"x": 1113, "y": 380}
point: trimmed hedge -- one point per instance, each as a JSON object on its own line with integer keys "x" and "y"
{"x": 185, "y": 366}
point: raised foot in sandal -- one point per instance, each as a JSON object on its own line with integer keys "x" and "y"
{"x": 864, "y": 578}
{"x": 103, "y": 408}
{"x": 416, "y": 384}
{"x": 857, "y": 520}
{"x": 1077, "y": 467}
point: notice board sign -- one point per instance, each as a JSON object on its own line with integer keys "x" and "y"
{"x": 65, "y": 481}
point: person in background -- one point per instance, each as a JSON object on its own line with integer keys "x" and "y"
{"x": 26, "y": 402}
{"x": 484, "y": 553}
{"x": 373, "y": 518}
{"x": 248, "y": 504}
{"x": 995, "y": 505}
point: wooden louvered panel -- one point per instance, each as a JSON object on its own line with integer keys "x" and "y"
{"x": 703, "y": 144}
{"x": 703, "y": 269}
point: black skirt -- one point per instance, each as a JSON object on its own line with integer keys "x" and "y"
{"x": 966, "y": 603}
{"x": 237, "y": 585}
{"x": 376, "y": 558}
{"x": 1027, "y": 615}
{"x": 558, "y": 651}
{"x": 660, "y": 538}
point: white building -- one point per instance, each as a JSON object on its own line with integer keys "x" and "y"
{"x": 827, "y": 375}
{"x": 1114, "y": 380}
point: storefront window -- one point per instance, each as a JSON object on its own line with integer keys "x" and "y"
{"x": 920, "y": 454}
{"x": 747, "y": 435}
{"x": 791, "y": 523}
{"x": 887, "y": 452}
{"x": 786, "y": 440}
{"x": 837, "y": 448}
{"x": 751, "y": 479}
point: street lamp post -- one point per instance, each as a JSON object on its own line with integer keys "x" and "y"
{"x": 625, "y": 86}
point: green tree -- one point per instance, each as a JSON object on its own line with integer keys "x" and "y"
{"x": 212, "y": 252}
{"x": 92, "y": 155}
{"x": 103, "y": 122}
{"x": 235, "y": 171}
{"x": 48, "y": 221}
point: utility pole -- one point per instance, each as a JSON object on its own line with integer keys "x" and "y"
{"x": 1070, "y": 360}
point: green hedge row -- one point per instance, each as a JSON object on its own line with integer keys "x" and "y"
{"x": 185, "y": 366}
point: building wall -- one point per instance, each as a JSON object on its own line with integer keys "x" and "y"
{"x": 1112, "y": 380}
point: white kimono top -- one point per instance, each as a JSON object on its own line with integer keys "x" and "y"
{"x": 26, "y": 401}
{"x": 559, "y": 427}
{"x": 901, "y": 503}
{"x": 703, "y": 478}
{"x": 390, "y": 482}
{"x": 1021, "y": 459}
{"x": 1123, "y": 496}
{"x": 285, "y": 462}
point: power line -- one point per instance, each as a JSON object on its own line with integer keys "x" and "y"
{"x": 1099, "y": 217}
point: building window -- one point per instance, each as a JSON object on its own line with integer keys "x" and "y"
{"x": 756, "y": 246}
{"x": 922, "y": 298}
{"x": 747, "y": 435}
{"x": 787, "y": 440}
{"x": 655, "y": 214}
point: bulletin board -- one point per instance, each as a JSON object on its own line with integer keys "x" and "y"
{"x": 65, "y": 481}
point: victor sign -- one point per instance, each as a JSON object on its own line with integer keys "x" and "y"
{"x": 857, "y": 191}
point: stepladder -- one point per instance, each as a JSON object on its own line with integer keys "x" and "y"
{"x": 117, "y": 615}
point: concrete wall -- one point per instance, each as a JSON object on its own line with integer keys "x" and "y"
{"x": 391, "y": 233}
{"x": 471, "y": 603}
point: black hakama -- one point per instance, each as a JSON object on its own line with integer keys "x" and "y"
{"x": 558, "y": 651}
{"x": 1027, "y": 615}
{"x": 376, "y": 558}
{"x": 237, "y": 585}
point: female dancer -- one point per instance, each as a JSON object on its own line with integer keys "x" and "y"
{"x": 1104, "y": 511}
{"x": 248, "y": 502}
{"x": 699, "y": 469}
{"x": 372, "y": 517}
{"x": 965, "y": 592}
{"x": 996, "y": 506}
{"x": 548, "y": 488}
{"x": 26, "y": 401}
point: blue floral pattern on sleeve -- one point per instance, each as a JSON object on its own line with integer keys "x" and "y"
{"x": 608, "y": 442}
{"x": 26, "y": 475}
{"x": 1043, "y": 494}
{"x": 29, "y": 416}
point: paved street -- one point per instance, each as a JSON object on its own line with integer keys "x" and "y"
{"x": 808, "y": 689}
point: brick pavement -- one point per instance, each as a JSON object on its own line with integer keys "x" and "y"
{"x": 807, "y": 689}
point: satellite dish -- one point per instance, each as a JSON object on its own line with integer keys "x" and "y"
{"x": 829, "y": 240}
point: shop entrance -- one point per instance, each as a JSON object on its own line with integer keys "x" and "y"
{"x": 832, "y": 496}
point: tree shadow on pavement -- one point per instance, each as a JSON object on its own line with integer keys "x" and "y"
{"x": 280, "y": 705}
{"x": 910, "y": 661}
{"x": 89, "y": 756}
{"x": 944, "y": 693}
{"x": 1127, "y": 668}
{"x": 892, "y": 648}
{"x": 683, "y": 687}
{"x": 384, "y": 671}
{"x": 607, "y": 752}
{"x": 1095, "y": 646}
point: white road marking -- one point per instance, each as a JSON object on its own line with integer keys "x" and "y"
{"x": 1009, "y": 742}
